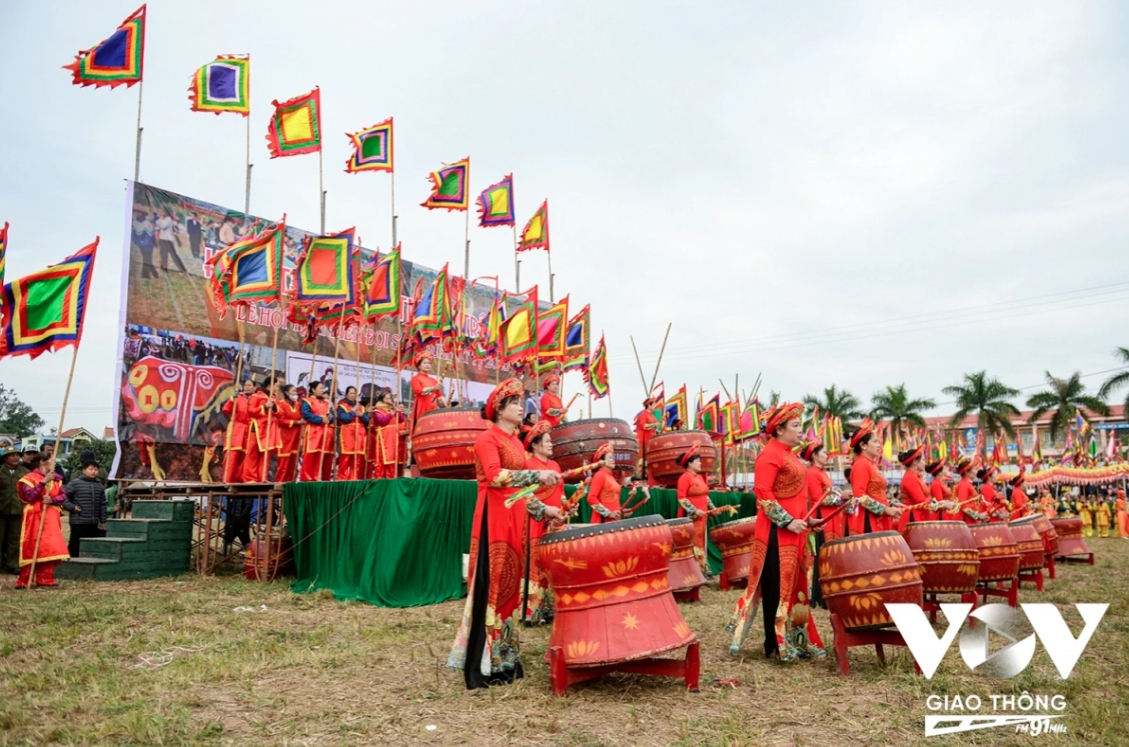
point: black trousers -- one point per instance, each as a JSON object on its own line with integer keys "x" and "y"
{"x": 79, "y": 532}
{"x": 238, "y": 524}
{"x": 770, "y": 592}
{"x": 816, "y": 590}
{"x": 169, "y": 249}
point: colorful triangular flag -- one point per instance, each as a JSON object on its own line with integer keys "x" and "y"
{"x": 295, "y": 126}
{"x": 372, "y": 149}
{"x": 222, "y": 85}
{"x": 535, "y": 235}
{"x": 449, "y": 187}
{"x": 496, "y": 204}
{"x": 118, "y": 60}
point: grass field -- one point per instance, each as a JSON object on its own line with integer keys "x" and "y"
{"x": 170, "y": 663}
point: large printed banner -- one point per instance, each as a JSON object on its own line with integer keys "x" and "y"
{"x": 180, "y": 358}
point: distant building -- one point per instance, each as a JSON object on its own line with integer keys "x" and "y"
{"x": 72, "y": 438}
{"x": 1104, "y": 427}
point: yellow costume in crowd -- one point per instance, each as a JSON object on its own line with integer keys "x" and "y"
{"x": 1087, "y": 517}
{"x": 1103, "y": 519}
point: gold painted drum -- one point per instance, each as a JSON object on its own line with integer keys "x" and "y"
{"x": 1070, "y": 542}
{"x": 614, "y": 602}
{"x": 663, "y": 452}
{"x": 999, "y": 553}
{"x": 575, "y": 443}
{"x": 950, "y": 562}
{"x": 1030, "y": 544}
{"x": 735, "y": 541}
{"x": 860, "y": 575}
{"x": 443, "y": 442}
{"x": 685, "y": 573}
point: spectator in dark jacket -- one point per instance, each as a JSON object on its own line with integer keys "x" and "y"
{"x": 11, "y": 510}
{"x": 86, "y": 500}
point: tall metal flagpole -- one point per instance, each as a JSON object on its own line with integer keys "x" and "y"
{"x": 321, "y": 188}
{"x": 137, "y": 152}
{"x": 517, "y": 263}
{"x": 247, "y": 189}
{"x": 394, "y": 213}
{"x": 549, "y": 257}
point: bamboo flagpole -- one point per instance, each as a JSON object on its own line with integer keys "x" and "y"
{"x": 235, "y": 399}
{"x": 517, "y": 263}
{"x": 639, "y": 363}
{"x": 662, "y": 350}
{"x": 58, "y": 443}
{"x": 321, "y": 187}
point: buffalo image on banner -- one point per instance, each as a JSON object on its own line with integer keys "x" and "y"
{"x": 180, "y": 356}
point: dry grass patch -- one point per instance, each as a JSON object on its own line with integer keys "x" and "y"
{"x": 169, "y": 663}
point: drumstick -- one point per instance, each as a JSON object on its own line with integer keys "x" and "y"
{"x": 569, "y": 405}
{"x": 628, "y": 511}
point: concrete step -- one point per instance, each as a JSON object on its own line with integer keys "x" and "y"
{"x": 151, "y": 529}
{"x": 77, "y": 568}
{"x": 98, "y": 569}
{"x": 174, "y": 510}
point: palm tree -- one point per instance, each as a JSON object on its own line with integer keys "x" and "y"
{"x": 837, "y": 403}
{"x": 1119, "y": 379}
{"x": 989, "y": 399}
{"x": 894, "y": 404}
{"x": 1065, "y": 397}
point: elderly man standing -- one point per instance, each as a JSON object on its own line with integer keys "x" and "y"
{"x": 11, "y": 510}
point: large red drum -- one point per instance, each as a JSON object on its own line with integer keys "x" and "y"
{"x": 999, "y": 553}
{"x": 1070, "y": 542}
{"x": 1047, "y": 532}
{"x": 684, "y": 573}
{"x": 663, "y": 452}
{"x": 614, "y": 602}
{"x": 443, "y": 442}
{"x": 950, "y": 562}
{"x": 1030, "y": 544}
{"x": 735, "y": 541}
{"x": 860, "y": 575}
{"x": 575, "y": 443}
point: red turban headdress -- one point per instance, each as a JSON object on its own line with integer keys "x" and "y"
{"x": 508, "y": 388}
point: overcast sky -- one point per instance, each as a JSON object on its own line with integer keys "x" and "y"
{"x": 859, "y": 194}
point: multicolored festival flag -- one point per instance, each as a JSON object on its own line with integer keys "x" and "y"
{"x": 496, "y": 204}
{"x": 535, "y": 235}
{"x": 709, "y": 414}
{"x": 449, "y": 187}
{"x": 519, "y": 331}
{"x": 433, "y": 312}
{"x": 324, "y": 274}
{"x": 118, "y": 60}
{"x": 578, "y": 341}
{"x": 596, "y": 375}
{"x": 675, "y": 409}
{"x": 382, "y": 291}
{"x": 223, "y": 85}
{"x": 295, "y": 126}
{"x": 45, "y": 310}
{"x": 551, "y": 328}
{"x": 372, "y": 149}
{"x": 249, "y": 270}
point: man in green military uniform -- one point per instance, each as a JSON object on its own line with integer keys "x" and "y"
{"x": 11, "y": 510}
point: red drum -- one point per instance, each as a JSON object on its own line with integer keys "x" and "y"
{"x": 443, "y": 442}
{"x": 950, "y": 562}
{"x": 999, "y": 553}
{"x": 663, "y": 452}
{"x": 735, "y": 541}
{"x": 860, "y": 575}
{"x": 1030, "y": 544}
{"x": 1047, "y": 531}
{"x": 613, "y": 598}
{"x": 684, "y": 573}
{"x": 1070, "y": 542}
{"x": 257, "y": 566}
{"x": 575, "y": 443}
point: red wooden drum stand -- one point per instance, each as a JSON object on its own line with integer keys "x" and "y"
{"x": 735, "y": 541}
{"x": 615, "y": 611}
{"x": 443, "y": 442}
{"x": 685, "y": 574}
{"x": 1071, "y": 547}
